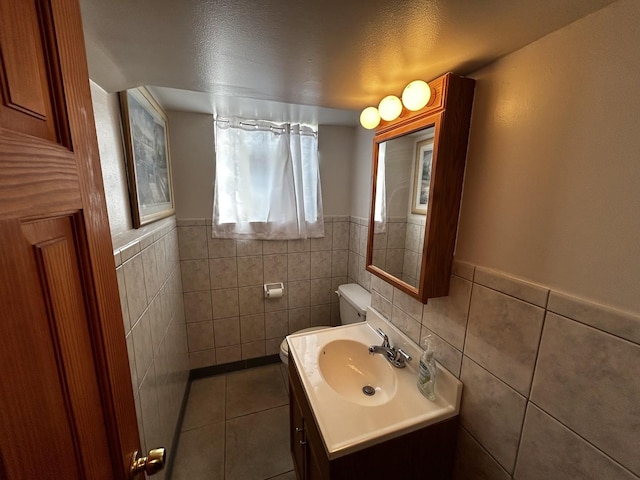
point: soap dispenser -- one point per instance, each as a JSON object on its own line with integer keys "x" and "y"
{"x": 427, "y": 370}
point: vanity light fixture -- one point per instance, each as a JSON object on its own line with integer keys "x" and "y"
{"x": 416, "y": 95}
{"x": 370, "y": 118}
{"x": 390, "y": 108}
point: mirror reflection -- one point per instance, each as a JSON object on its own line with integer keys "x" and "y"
{"x": 402, "y": 198}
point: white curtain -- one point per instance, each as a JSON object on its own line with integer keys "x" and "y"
{"x": 267, "y": 183}
{"x": 380, "y": 211}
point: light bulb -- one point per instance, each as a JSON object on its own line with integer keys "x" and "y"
{"x": 416, "y": 95}
{"x": 370, "y": 118}
{"x": 390, "y": 108}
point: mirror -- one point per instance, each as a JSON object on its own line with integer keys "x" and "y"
{"x": 402, "y": 195}
{"x": 418, "y": 168}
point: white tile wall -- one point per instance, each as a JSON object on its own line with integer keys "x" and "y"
{"x": 222, "y": 281}
{"x": 551, "y": 451}
{"x": 549, "y": 383}
{"x": 527, "y": 355}
{"x": 150, "y": 285}
{"x": 399, "y": 249}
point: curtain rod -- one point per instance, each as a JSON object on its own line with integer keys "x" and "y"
{"x": 273, "y": 128}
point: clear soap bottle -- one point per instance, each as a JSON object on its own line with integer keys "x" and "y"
{"x": 427, "y": 371}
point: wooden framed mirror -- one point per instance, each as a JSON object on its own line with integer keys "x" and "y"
{"x": 418, "y": 169}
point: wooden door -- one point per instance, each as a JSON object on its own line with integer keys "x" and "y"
{"x": 66, "y": 403}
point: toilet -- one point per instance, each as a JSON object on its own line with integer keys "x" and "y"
{"x": 354, "y": 301}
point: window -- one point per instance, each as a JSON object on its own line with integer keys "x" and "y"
{"x": 267, "y": 183}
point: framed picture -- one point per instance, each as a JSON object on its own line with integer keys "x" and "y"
{"x": 422, "y": 176}
{"x": 146, "y": 142}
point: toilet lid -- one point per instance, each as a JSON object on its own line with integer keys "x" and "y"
{"x": 284, "y": 346}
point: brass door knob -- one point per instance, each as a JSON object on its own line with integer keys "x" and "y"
{"x": 152, "y": 463}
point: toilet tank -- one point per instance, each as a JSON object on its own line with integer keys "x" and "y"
{"x": 354, "y": 301}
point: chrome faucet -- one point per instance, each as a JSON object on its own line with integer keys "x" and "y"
{"x": 396, "y": 357}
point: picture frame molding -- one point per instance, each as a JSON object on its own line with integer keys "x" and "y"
{"x": 140, "y": 215}
{"x": 424, "y": 145}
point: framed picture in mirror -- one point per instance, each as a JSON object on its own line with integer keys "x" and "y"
{"x": 422, "y": 176}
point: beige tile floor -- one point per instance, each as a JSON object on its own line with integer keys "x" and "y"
{"x": 236, "y": 427}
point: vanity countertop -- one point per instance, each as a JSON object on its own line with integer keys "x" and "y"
{"x": 350, "y": 421}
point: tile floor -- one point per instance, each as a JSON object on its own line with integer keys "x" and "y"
{"x": 236, "y": 427}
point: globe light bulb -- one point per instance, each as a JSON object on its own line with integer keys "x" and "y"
{"x": 390, "y": 108}
{"x": 370, "y": 118}
{"x": 416, "y": 95}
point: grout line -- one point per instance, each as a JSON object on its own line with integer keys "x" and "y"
{"x": 273, "y": 407}
{"x": 279, "y": 474}
{"x": 466, "y": 323}
{"x": 599, "y": 329}
{"x": 486, "y": 451}
{"x": 520, "y": 437}
{"x": 224, "y": 458}
{"x": 533, "y": 373}
{"x": 525, "y": 397}
{"x": 512, "y": 296}
{"x": 594, "y": 446}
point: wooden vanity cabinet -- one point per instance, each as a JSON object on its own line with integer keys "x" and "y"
{"x": 426, "y": 454}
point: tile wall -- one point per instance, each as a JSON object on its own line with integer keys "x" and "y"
{"x": 398, "y": 250}
{"x": 550, "y": 389}
{"x": 228, "y": 318}
{"x": 414, "y": 239}
{"x": 358, "y": 232}
{"x": 150, "y": 284}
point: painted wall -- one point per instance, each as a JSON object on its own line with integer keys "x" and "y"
{"x": 549, "y": 208}
{"x": 335, "y": 154}
{"x": 551, "y": 189}
{"x": 399, "y": 165}
{"x": 150, "y": 285}
{"x": 361, "y": 164}
{"x": 550, "y": 205}
{"x": 193, "y": 157}
{"x": 106, "y": 109}
{"x": 227, "y": 317}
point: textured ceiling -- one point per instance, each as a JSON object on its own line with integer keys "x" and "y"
{"x": 337, "y": 54}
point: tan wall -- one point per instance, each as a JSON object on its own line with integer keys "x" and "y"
{"x": 193, "y": 157}
{"x": 335, "y": 153}
{"x": 362, "y": 166}
{"x": 150, "y": 285}
{"x": 551, "y": 196}
{"x": 551, "y": 188}
{"x": 106, "y": 109}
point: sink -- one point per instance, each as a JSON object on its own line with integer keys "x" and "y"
{"x": 350, "y": 370}
{"x": 334, "y": 365}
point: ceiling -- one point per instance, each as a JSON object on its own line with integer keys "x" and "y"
{"x": 320, "y": 61}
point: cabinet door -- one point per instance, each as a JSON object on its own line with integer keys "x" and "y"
{"x": 297, "y": 438}
{"x": 313, "y": 469}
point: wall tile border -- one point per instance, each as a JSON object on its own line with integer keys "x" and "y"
{"x": 609, "y": 324}
{"x": 616, "y": 322}
{"x": 521, "y": 289}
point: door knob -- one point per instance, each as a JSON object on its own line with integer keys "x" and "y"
{"x": 152, "y": 463}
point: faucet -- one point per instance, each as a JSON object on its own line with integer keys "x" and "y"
{"x": 396, "y": 357}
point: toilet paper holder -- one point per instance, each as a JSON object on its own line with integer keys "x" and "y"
{"x": 273, "y": 290}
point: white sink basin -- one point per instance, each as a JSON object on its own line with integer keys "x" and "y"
{"x": 349, "y": 368}
{"x": 334, "y": 365}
